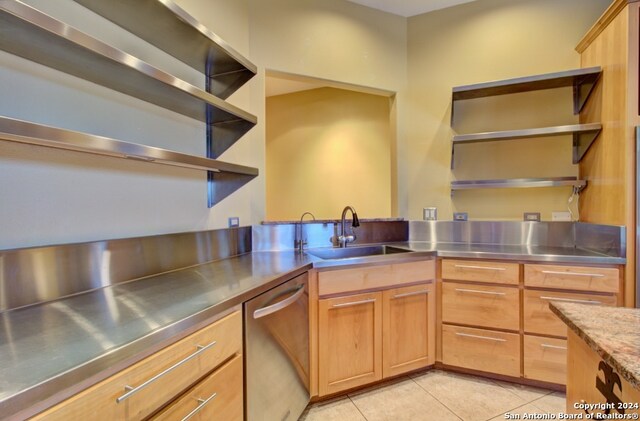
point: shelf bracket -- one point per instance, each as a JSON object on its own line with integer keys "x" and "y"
{"x": 453, "y": 156}
{"x": 582, "y": 141}
{"x": 221, "y": 184}
{"x": 582, "y": 89}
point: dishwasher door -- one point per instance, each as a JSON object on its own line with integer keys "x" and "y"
{"x": 277, "y": 352}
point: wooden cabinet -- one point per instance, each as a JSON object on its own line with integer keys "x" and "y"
{"x": 350, "y": 337}
{"x": 144, "y": 388}
{"x": 545, "y": 359}
{"x": 480, "y": 349}
{"x": 371, "y": 323}
{"x": 538, "y": 317}
{"x": 409, "y": 339}
{"x": 481, "y": 305}
{"x": 583, "y": 369}
{"x": 485, "y": 327}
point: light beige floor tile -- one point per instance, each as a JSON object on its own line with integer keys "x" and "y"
{"x": 404, "y": 400}
{"x": 339, "y": 410}
{"x": 553, "y": 403}
{"x": 528, "y": 393}
{"x": 525, "y": 409}
{"x": 470, "y": 398}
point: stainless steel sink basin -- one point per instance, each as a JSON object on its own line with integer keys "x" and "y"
{"x": 352, "y": 252}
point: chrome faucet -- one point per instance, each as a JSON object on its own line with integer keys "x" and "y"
{"x": 299, "y": 242}
{"x": 344, "y": 239}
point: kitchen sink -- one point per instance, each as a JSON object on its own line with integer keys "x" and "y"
{"x": 352, "y": 252}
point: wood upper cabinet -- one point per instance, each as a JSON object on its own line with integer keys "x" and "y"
{"x": 350, "y": 341}
{"x": 408, "y": 321}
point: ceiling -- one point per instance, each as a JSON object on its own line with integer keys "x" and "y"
{"x": 408, "y": 8}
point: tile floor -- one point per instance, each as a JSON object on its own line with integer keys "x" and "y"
{"x": 438, "y": 395}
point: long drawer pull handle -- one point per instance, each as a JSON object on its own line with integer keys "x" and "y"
{"x": 488, "y": 338}
{"x": 479, "y": 267}
{"x": 203, "y": 403}
{"x": 410, "y": 294}
{"x": 557, "y": 272}
{"x": 133, "y": 390}
{"x": 553, "y": 346}
{"x": 572, "y": 300}
{"x": 355, "y": 303}
{"x": 480, "y": 292}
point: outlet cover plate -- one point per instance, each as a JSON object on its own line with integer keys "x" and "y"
{"x": 234, "y": 222}
{"x": 532, "y": 216}
{"x": 560, "y": 216}
{"x": 460, "y": 216}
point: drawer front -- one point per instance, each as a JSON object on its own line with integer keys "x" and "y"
{"x": 545, "y": 359}
{"x": 481, "y": 305}
{"x": 480, "y": 349}
{"x": 481, "y": 271}
{"x": 182, "y": 363}
{"x": 217, "y": 397}
{"x": 572, "y": 277}
{"x": 538, "y": 317}
{"x": 374, "y": 277}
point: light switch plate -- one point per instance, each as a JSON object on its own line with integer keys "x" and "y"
{"x": 460, "y": 216}
{"x": 234, "y": 221}
{"x": 430, "y": 214}
{"x": 560, "y": 216}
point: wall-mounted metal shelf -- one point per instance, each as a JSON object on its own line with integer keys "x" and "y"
{"x": 518, "y": 183}
{"x": 29, "y": 33}
{"x": 582, "y": 80}
{"x": 583, "y": 136}
{"x": 227, "y": 177}
{"x": 170, "y": 28}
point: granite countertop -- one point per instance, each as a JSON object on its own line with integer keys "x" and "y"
{"x": 612, "y": 332}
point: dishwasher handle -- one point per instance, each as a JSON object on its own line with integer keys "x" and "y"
{"x": 265, "y": 311}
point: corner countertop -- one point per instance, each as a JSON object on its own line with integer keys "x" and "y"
{"x": 612, "y": 332}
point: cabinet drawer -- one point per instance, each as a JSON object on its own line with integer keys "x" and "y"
{"x": 481, "y": 305}
{"x": 374, "y": 277}
{"x": 480, "y": 349}
{"x": 572, "y": 277}
{"x": 538, "y": 317}
{"x": 545, "y": 359}
{"x": 481, "y": 271}
{"x": 156, "y": 379}
{"x": 217, "y": 397}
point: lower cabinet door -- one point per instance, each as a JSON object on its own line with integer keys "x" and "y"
{"x": 350, "y": 341}
{"x": 409, "y": 329}
{"x": 481, "y": 349}
{"x": 545, "y": 359}
{"x": 218, "y": 397}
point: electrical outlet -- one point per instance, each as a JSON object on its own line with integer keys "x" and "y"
{"x": 234, "y": 221}
{"x": 532, "y": 216}
{"x": 560, "y": 216}
{"x": 460, "y": 216}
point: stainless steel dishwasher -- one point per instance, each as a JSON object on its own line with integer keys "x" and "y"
{"x": 277, "y": 352}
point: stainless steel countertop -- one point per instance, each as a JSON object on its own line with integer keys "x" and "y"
{"x": 48, "y": 348}
{"x": 52, "y": 350}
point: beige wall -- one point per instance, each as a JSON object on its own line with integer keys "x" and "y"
{"x": 327, "y": 148}
{"x": 483, "y": 41}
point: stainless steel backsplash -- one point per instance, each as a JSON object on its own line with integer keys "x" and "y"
{"x": 32, "y": 275}
{"x": 605, "y": 239}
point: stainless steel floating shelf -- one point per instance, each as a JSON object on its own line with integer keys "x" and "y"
{"x": 226, "y": 177}
{"x": 582, "y": 80}
{"x": 29, "y": 33}
{"x": 518, "y": 183}
{"x": 583, "y": 136}
{"x": 168, "y": 27}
